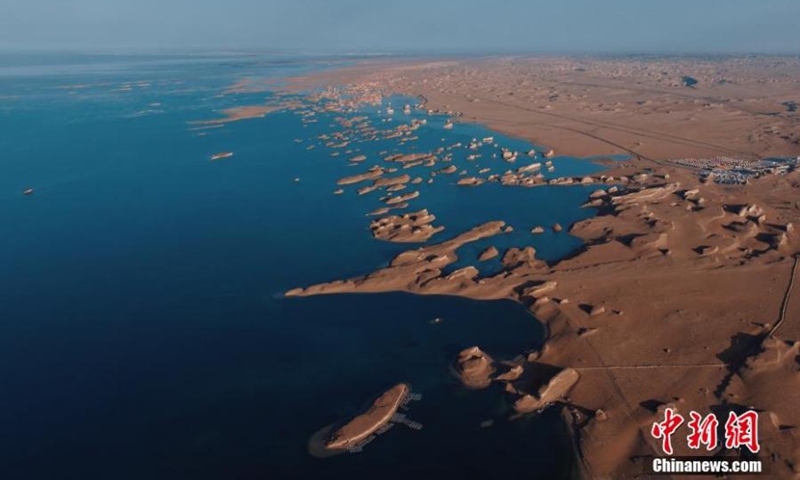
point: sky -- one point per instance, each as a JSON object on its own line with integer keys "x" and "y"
{"x": 405, "y": 26}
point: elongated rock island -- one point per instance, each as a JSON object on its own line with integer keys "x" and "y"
{"x": 365, "y": 424}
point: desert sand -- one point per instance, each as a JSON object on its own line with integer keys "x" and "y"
{"x": 674, "y": 300}
{"x": 684, "y": 292}
{"x": 587, "y": 106}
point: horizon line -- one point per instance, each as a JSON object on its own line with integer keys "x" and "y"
{"x": 250, "y": 51}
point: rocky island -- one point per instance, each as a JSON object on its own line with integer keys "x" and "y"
{"x": 349, "y": 433}
{"x": 405, "y": 228}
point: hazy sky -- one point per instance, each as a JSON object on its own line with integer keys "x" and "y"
{"x": 406, "y": 25}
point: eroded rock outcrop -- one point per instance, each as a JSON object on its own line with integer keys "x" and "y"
{"x": 475, "y": 368}
{"x": 371, "y": 174}
{"x": 417, "y": 270}
{"x": 488, "y": 254}
{"x": 406, "y": 228}
{"x": 552, "y": 391}
{"x": 470, "y": 181}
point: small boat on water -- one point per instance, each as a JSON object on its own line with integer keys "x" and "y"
{"x": 221, "y": 155}
{"x": 27, "y": 191}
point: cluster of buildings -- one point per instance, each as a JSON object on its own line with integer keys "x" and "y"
{"x": 734, "y": 171}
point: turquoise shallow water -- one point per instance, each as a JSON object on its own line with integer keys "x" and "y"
{"x": 143, "y": 331}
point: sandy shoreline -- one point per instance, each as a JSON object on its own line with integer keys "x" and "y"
{"x": 588, "y": 106}
{"x": 683, "y": 295}
{"x": 643, "y": 314}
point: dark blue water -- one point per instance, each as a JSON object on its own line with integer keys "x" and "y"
{"x": 143, "y": 332}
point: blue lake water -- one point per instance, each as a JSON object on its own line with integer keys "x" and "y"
{"x": 143, "y": 331}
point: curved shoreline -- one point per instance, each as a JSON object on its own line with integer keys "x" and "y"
{"x": 591, "y": 301}
{"x": 663, "y": 250}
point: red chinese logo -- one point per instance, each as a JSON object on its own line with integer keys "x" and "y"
{"x": 665, "y": 429}
{"x": 704, "y": 431}
{"x": 740, "y": 431}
